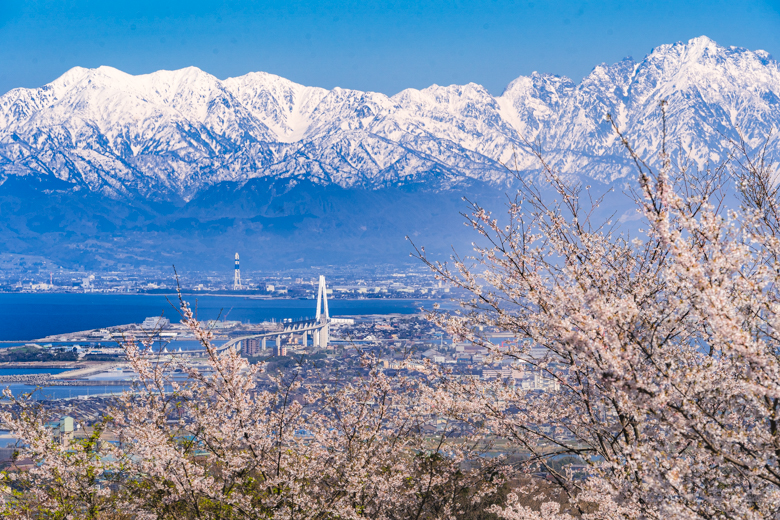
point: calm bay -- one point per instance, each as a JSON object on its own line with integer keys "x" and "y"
{"x": 29, "y": 316}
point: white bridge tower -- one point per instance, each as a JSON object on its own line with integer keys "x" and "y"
{"x": 237, "y": 277}
{"x": 321, "y": 336}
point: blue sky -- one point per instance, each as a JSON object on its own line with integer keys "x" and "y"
{"x": 383, "y": 46}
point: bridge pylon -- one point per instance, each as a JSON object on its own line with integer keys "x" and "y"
{"x": 321, "y": 336}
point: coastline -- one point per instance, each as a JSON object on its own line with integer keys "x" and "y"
{"x": 57, "y": 317}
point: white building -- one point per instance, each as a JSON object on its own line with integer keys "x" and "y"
{"x": 155, "y": 323}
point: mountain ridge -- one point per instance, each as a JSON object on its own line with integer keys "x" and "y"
{"x": 169, "y": 135}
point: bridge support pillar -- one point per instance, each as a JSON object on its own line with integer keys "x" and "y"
{"x": 324, "y": 336}
{"x": 303, "y": 339}
{"x": 278, "y": 341}
{"x": 264, "y": 343}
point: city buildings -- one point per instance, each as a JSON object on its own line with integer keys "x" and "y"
{"x": 252, "y": 347}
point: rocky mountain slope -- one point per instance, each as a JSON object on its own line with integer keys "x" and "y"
{"x": 170, "y": 135}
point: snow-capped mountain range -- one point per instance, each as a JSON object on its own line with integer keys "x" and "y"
{"x": 174, "y": 133}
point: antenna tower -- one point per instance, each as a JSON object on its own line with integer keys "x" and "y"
{"x": 237, "y": 277}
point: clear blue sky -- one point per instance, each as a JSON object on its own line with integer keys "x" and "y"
{"x": 384, "y": 46}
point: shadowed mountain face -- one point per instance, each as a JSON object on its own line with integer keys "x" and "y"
{"x": 273, "y": 223}
{"x": 100, "y": 167}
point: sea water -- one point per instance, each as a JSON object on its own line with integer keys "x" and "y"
{"x": 25, "y": 371}
{"x": 29, "y": 316}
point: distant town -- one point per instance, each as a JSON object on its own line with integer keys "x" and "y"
{"x": 78, "y": 375}
{"x": 31, "y": 274}
{"x": 399, "y": 343}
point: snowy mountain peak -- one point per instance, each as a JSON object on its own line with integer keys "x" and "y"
{"x": 285, "y": 107}
{"x": 173, "y": 133}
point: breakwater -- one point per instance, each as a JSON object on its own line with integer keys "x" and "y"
{"x": 54, "y": 380}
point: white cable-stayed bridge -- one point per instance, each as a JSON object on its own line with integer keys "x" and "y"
{"x": 318, "y": 328}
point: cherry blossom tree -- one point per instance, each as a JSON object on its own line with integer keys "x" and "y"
{"x": 71, "y": 480}
{"x": 661, "y": 349}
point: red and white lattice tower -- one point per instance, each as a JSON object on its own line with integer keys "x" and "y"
{"x": 237, "y": 277}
